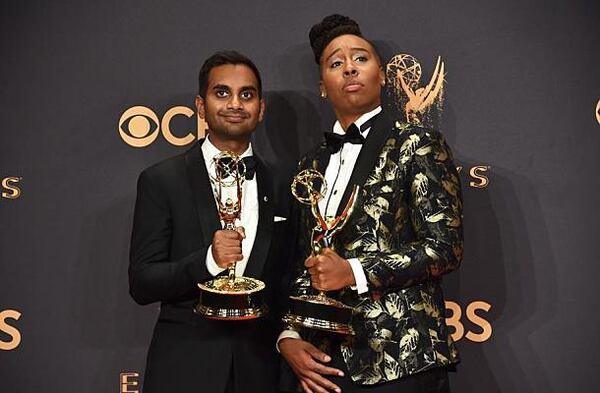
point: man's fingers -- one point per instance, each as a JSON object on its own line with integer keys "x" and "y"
{"x": 235, "y": 257}
{"x": 227, "y": 241}
{"x": 231, "y": 246}
{"x": 228, "y": 258}
{"x": 232, "y": 249}
{"x": 227, "y": 234}
{"x": 241, "y": 231}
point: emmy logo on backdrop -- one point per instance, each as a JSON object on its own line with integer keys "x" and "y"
{"x": 403, "y": 74}
{"x": 230, "y": 297}
{"x": 319, "y": 311}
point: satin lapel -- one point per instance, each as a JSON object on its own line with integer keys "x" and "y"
{"x": 368, "y": 156}
{"x": 264, "y": 230}
{"x": 321, "y": 159}
{"x": 204, "y": 199}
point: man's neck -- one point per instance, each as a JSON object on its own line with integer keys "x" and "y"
{"x": 237, "y": 146}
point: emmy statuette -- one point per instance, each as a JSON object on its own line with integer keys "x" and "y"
{"x": 319, "y": 311}
{"x": 230, "y": 297}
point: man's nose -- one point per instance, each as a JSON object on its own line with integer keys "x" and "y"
{"x": 234, "y": 102}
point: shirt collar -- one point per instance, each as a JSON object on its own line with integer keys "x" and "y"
{"x": 337, "y": 127}
{"x": 209, "y": 151}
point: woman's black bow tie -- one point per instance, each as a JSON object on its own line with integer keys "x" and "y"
{"x": 352, "y": 135}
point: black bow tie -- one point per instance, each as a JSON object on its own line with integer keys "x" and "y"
{"x": 250, "y": 164}
{"x": 352, "y": 135}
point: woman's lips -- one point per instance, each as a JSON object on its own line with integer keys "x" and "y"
{"x": 352, "y": 87}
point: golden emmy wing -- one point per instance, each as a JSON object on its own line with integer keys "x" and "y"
{"x": 403, "y": 73}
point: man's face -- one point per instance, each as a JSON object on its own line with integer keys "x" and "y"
{"x": 351, "y": 75}
{"x": 232, "y": 107}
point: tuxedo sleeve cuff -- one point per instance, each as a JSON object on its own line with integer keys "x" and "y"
{"x": 288, "y": 333}
{"x": 360, "y": 279}
{"x": 211, "y": 265}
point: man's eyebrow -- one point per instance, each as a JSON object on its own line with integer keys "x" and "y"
{"x": 243, "y": 88}
{"x": 220, "y": 87}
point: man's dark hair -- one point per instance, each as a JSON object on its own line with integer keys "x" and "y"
{"x": 221, "y": 58}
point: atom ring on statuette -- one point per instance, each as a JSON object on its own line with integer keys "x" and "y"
{"x": 229, "y": 169}
{"x": 304, "y": 186}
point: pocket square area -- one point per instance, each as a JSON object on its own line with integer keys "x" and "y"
{"x": 278, "y": 219}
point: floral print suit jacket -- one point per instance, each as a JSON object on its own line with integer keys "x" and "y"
{"x": 406, "y": 230}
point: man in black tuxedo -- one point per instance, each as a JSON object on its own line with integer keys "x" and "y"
{"x": 178, "y": 241}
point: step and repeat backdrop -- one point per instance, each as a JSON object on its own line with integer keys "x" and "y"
{"x": 92, "y": 93}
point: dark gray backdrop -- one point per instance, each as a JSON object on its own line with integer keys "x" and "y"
{"x": 523, "y": 83}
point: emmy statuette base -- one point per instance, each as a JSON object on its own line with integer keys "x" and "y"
{"x": 321, "y": 313}
{"x": 241, "y": 300}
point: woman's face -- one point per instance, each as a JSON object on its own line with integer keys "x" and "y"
{"x": 351, "y": 75}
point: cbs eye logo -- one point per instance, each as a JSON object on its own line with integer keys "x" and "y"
{"x": 139, "y": 126}
{"x": 598, "y": 111}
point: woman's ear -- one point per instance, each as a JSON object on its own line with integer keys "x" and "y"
{"x": 323, "y": 91}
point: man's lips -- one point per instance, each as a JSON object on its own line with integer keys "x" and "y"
{"x": 352, "y": 86}
{"x": 234, "y": 117}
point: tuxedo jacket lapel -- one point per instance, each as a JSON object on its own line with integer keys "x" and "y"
{"x": 264, "y": 230}
{"x": 322, "y": 159}
{"x": 368, "y": 156}
{"x": 206, "y": 208}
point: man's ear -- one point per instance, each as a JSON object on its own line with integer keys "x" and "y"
{"x": 200, "y": 107}
{"x": 263, "y": 107}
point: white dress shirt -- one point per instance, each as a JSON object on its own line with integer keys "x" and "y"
{"x": 337, "y": 175}
{"x": 249, "y": 214}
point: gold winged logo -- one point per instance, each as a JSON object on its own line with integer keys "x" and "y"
{"x": 403, "y": 74}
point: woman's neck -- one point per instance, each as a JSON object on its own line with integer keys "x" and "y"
{"x": 347, "y": 118}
